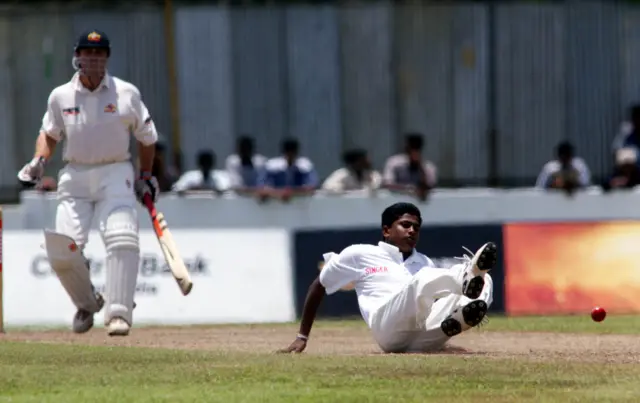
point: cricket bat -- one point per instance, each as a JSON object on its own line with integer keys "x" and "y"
{"x": 168, "y": 246}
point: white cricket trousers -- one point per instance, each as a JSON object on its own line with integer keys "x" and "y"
{"x": 410, "y": 320}
{"x": 86, "y": 192}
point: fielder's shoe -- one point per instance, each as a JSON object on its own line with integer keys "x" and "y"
{"x": 118, "y": 327}
{"x": 464, "y": 318}
{"x": 83, "y": 319}
{"x": 484, "y": 260}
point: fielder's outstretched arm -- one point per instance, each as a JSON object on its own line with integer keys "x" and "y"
{"x": 314, "y": 297}
{"x": 338, "y": 271}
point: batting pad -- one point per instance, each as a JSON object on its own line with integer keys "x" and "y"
{"x": 67, "y": 262}
{"x": 122, "y": 273}
{"x": 120, "y": 236}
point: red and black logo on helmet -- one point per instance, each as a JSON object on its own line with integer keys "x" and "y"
{"x": 93, "y": 40}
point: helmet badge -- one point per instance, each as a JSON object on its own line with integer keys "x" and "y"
{"x": 93, "y": 37}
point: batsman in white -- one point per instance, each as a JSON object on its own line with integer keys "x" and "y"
{"x": 408, "y": 303}
{"x": 95, "y": 114}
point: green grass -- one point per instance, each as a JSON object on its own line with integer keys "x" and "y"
{"x": 613, "y": 324}
{"x": 33, "y": 372}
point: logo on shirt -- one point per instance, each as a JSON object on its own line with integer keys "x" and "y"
{"x": 94, "y": 37}
{"x": 111, "y": 108}
{"x": 375, "y": 270}
{"x": 71, "y": 111}
{"x": 347, "y": 287}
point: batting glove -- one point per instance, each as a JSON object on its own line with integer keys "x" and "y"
{"x": 147, "y": 184}
{"x": 32, "y": 172}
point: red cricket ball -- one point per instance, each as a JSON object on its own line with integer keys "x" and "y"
{"x": 598, "y": 314}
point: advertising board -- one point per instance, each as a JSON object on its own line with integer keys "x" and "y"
{"x": 568, "y": 268}
{"x": 239, "y": 276}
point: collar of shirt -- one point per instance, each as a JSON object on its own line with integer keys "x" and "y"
{"x": 75, "y": 80}
{"x": 396, "y": 254}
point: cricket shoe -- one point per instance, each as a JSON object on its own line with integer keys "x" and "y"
{"x": 118, "y": 327}
{"x": 464, "y": 318}
{"x": 477, "y": 266}
{"x": 83, "y": 319}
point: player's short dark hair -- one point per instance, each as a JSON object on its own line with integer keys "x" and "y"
{"x": 565, "y": 149}
{"x": 290, "y": 145}
{"x": 206, "y": 157}
{"x": 246, "y": 142}
{"x": 414, "y": 141}
{"x": 397, "y": 210}
{"x": 352, "y": 156}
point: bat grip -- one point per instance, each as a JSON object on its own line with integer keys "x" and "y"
{"x": 148, "y": 202}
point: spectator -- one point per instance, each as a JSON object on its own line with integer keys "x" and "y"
{"x": 166, "y": 175}
{"x": 567, "y": 172}
{"x": 288, "y": 175}
{"x": 244, "y": 167}
{"x": 629, "y": 135}
{"x": 205, "y": 177}
{"x": 626, "y": 173}
{"x": 408, "y": 171}
{"x": 355, "y": 175}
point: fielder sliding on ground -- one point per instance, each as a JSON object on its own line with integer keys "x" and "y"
{"x": 408, "y": 303}
{"x": 96, "y": 113}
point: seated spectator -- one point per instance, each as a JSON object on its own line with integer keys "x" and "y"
{"x": 567, "y": 172}
{"x": 244, "y": 167}
{"x": 408, "y": 171}
{"x": 205, "y": 177}
{"x": 166, "y": 174}
{"x": 626, "y": 174}
{"x": 355, "y": 175}
{"x": 629, "y": 135}
{"x": 288, "y": 175}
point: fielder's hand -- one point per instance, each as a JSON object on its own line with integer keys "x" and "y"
{"x": 297, "y": 346}
{"x": 31, "y": 173}
{"x": 147, "y": 184}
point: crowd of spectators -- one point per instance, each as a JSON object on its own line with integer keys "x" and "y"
{"x": 568, "y": 172}
{"x": 291, "y": 173}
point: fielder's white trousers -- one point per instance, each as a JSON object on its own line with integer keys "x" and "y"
{"x": 86, "y": 192}
{"x": 410, "y": 320}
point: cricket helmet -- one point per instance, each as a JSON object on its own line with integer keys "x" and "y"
{"x": 93, "y": 39}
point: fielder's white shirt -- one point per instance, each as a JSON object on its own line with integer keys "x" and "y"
{"x": 97, "y": 126}
{"x": 378, "y": 272}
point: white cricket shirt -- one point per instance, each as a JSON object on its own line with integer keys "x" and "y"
{"x": 378, "y": 272}
{"x": 97, "y": 126}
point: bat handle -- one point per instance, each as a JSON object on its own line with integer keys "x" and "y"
{"x": 148, "y": 202}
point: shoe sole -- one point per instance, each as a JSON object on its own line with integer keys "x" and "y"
{"x": 486, "y": 261}
{"x": 488, "y": 258}
{"x": 121, "y": 331}
{"x": 472, "y": 314}
{"x": 118, "y": 333}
